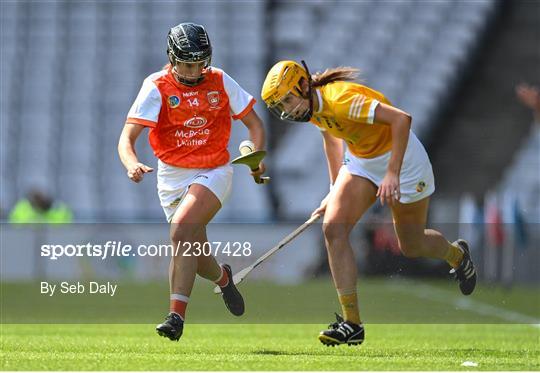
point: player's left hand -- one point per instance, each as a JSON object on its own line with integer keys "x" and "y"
{"x": 388, "y": 191}
{"x": 322, "y": 207}
{"x": 258, "y": 173}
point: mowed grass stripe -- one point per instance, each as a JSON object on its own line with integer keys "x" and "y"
{"x": 268, "y": 347}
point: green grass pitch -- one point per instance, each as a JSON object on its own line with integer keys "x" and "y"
{"x": 268, "y": 347}
{"x": 410, "y": 325}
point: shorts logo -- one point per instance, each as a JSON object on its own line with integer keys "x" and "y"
{"x": 174, "y": 101}
{"x": 213, "y": 98}
{"x": 420, "y": 186}
{"x": 195, "y": 122}
{"x": 175, "y": 202}
{"x": 178, "y": 200}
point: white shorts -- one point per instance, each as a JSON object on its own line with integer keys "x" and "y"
{"x": 416, "y": 177}
{"x": 173, "y": 184}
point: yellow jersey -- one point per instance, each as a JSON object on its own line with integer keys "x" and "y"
{"x": 347, "y": 111}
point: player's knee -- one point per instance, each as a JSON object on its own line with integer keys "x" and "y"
{"x": 183, "y": 233}
{"x": 334, "y": 232}
{"x": 177, "y": 235}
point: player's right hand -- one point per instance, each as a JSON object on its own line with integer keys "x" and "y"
{"x": 136, "y": 171}
{"x": 257, "y": 174}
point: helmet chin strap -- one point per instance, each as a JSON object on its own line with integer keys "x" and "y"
{"x": 181, "y": 78}
{"x": 310, "y": 94}
{"x": 186, "y": 81}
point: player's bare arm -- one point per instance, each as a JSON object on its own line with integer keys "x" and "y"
{"x": 127, "y": 153}
{"x": 400, "y": 123}
{"x": 255, "y": 127}
{"x": 333, "y": 148}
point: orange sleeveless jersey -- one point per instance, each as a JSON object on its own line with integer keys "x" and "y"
{"x": 190, "y": 126}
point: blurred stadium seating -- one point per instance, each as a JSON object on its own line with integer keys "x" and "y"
{"x": 412, "y": 51}
{"x": 521, "y": 178}
{"x": 70, "y": 71}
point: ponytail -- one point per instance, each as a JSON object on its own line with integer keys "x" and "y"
{"x": 342, "y": 73}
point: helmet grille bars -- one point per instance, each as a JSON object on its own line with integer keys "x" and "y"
{"x": 189, "y": 43}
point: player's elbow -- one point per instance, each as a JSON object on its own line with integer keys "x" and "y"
{"x": 120, "y": 146}
{"x": 123, "y": 144}
{"x": 252, "y": 121}
{"x": 257, "y": 126}
{"x": 406, "y": 119}
{"x": 128, "y": 137}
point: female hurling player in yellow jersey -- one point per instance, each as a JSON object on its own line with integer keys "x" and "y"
{"x": 383, "y": 159}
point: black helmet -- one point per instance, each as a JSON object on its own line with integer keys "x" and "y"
{"x": 189, "y": 42}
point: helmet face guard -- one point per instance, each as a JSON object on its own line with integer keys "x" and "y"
{"x": 291, "y": 107}
{"x": 283, "y": 94}
{"x": 186, "y": 79}
{"x": 188, "y": 43}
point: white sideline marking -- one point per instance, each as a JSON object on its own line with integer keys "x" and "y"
{"x": 429, "y": 292}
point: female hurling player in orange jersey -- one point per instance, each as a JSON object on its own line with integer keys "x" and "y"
{"x": 188, "y": 107}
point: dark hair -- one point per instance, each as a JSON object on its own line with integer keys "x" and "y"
{"x": 342, "y": 73}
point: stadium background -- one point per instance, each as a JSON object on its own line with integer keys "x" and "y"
{"x": 70, "y": 71}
